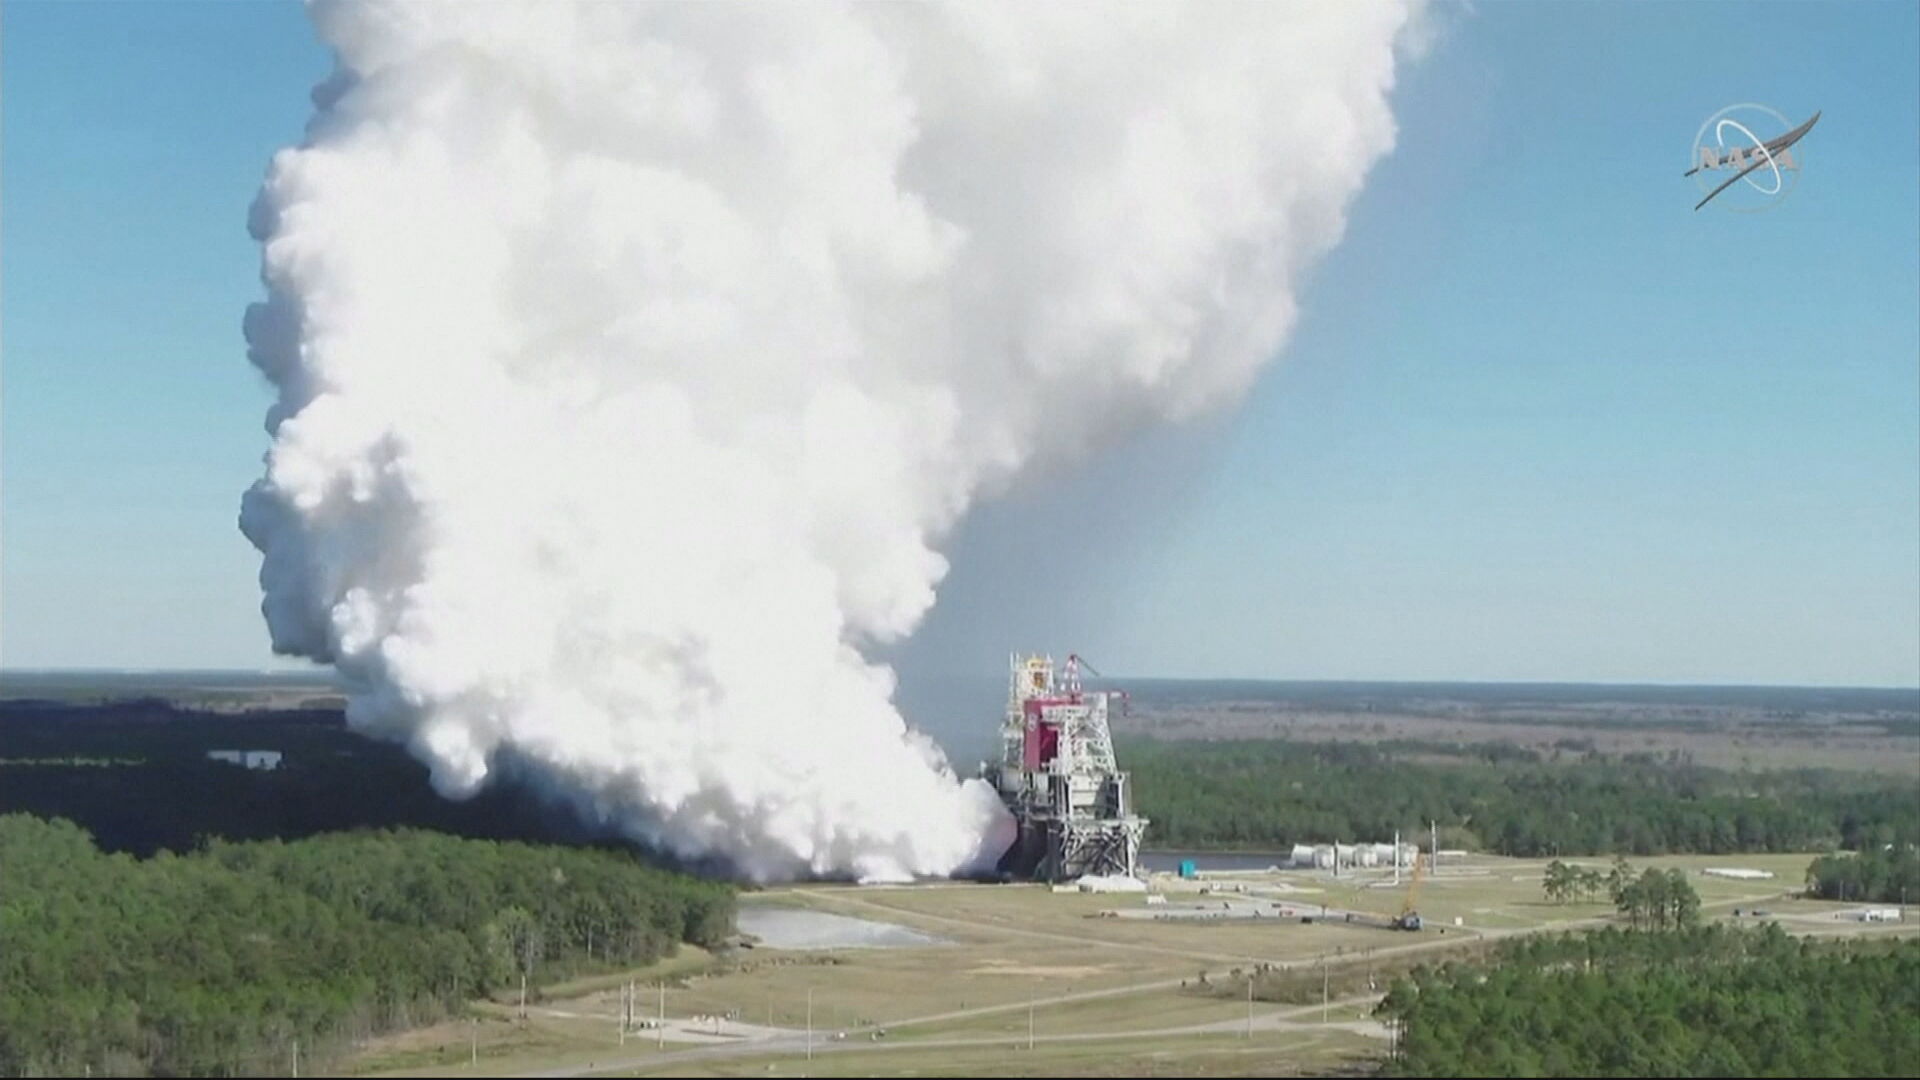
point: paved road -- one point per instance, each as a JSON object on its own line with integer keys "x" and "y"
{"x": 835, "y": 896}
{"x": 859, "y": 1038}
{"x": 1277, "y": 1021}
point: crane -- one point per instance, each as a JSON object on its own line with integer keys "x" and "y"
{"x": 1071, "y": 681}
{"x": 1409, "y": 918}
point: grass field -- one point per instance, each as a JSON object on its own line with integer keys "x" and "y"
{"x": 495, "y": 1043}
{"x": 1293, "y": 1054}
{"x": 1119, "y": 1014}
{"x": 1105, "y": 995}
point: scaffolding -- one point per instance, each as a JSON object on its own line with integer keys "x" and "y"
{"x": 1058, "y": 776}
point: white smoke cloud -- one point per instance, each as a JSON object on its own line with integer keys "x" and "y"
{"x": 633, "y": 360}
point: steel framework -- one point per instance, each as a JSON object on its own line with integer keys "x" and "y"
{"x": 1058, "y": 776}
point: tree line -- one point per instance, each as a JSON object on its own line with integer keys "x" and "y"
{"x": 1265, "y": 794}
{"x": 1652, "y": 899}
{"x": 1564, "y": 882}
{"x": 136, "y": 775}
{"x": 1701, "y": 1001}
{"x": 1889, "y": 873}
{"x": 214, "y": 962}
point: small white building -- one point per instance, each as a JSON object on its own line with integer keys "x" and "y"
{"x": 1109, "y": 883}
{"x": 265, "y": 760}
{"x": 1737, "y": 873}
{"x": 1880, "y": 914}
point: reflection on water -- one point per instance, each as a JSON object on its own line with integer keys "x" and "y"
{"x": 798, "y": 928}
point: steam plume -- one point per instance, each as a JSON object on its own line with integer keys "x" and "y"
{"x": 632, "y": 361}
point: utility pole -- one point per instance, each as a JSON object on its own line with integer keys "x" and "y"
{"x": 809, "y": 1023}
{"x": 523, "y": 995}
{"x": 473, "y": 1042}
{"x": 1249, "y": 1004}
{"x": 1029, "y": 1020}
{"x": 625, "y": 1012}
{"x": 1323, "y": 988}
{"x": 1433, "y": 852}
{"x": 296, "y": 1057}
{"x": 661, "y": 1027}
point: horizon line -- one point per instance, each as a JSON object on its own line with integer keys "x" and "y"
{"x": 328, "y": 672}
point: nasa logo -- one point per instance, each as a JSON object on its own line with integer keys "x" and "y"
{"x": 1750, "y": 143}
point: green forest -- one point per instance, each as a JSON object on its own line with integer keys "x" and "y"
{"x": 136, "y": 775}
{"x": 1888, "y": 874}
{"x": 1267, "y": 794}
{"x": 215, "y": 962}
{"x": 1704, "y": 1001}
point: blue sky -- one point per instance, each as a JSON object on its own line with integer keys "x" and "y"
{"x": 1540, "y": 419}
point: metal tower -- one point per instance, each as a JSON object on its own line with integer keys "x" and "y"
{"x": 1058, "y": 776}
